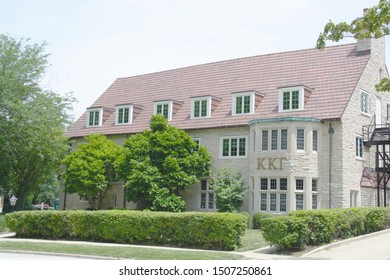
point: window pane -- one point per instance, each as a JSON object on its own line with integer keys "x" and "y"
{"x": 264, "y": 184}
{"x": 295, "y": 100}
{"x": 91, "y": 117}
{"x": 202, "y": 200}
{"x": 247, "y": 104}
{"x": 314, "y": 187}
{"x": 239, "y": 105}
{"x": 263, "y": 202}
{"x": 286, "y": 100}
{"x": 120, "y": 116}
{"x": 272, "y": 202}
{"x": 127, "y": 115}
{"x": 233, "y": 147}
{"x": 264, "y": 138}
{"x": 203, "y": 185}
{"x": 300, "y": 139}
{"x": 196, "y": 109}
{"x": 204, "y": 108}
{"x": 96, "y": 118}
{"x": 283, "y": 142}
{"x": 225, "y": 151}
{"x": 315, "y": 140}
{"x": 159, "y": 109}
{"x": 359, "y": 147}
{"x": 283, "y": 184}
{"x": 274, "y": 140}
{"x": 299, "y": 201}
{"x": 273, "y": 184}
{"x": 314, "y": 202}
{"x": 283, "y": 202}
{"x": 242, "y": 148}
{"x": 299, "y": 184}
{"x": 211, "y": 201}
{"x": 165, "y": 111}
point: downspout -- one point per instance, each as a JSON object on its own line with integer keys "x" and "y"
{"x": 331, "y": 132}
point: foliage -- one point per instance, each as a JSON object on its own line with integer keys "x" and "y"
{"x": 258, "y": 218}
{"x": 374, "y": 24}
{"x": 229, "y": 188}
{"x": 159, "y": 163}
{"x": 90, "y": 168}
{"x": 48, "y": 191}
{"x": 32, "y": 120}
{"x": 220, "y": 231}
{"x": 315, "y": 227}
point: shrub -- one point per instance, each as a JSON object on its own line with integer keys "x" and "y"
{"x": 219, "y": 231}
{"x": 315, "y": 227}
{"x": 258, "y": 218}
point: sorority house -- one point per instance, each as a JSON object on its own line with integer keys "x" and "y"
{"x": 307, "y": 129}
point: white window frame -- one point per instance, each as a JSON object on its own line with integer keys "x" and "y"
{"x": 304, "y": 140}
{"x": 290, "y": 91}
{"x": 365, "y": 105}
{"x": 123, "y": 107}
{"x": 100, "y": 120}
{"x": 314, "y": 193}
{"x": 162, "y": 103}
{"x": 300, "y": 192}
{"x": 238, "y": 138}
{"x": 266, "y": 189}
{"x": 207, "y": 193}
{"x": 243, "y": 95}
{"x": 208, "y": 109}
{"x": 359, "y": 150}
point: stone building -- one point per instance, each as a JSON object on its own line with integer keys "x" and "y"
{"x": 291, "y": 123}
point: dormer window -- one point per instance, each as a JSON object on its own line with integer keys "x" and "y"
{"x": 164, "y": 108}
{"x": 94, "y": 117}
{"x": 123, "y": 114}
{"x": 243, "y": 103}
{"x": 291, "y": 99}
{"x": 201, "y": 107}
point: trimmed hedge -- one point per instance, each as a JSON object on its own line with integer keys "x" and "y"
{"x": 218, "y": 231}
{"x": 316, "y": 227}
{"x": 257, "y": 219}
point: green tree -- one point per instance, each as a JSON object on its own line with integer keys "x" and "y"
{"x": 90, "y": 169}
{"x": 374, "y": 24}
{"x": 32, "y": 120}
{"x": 160, "y": 163}
{"x": 230, "y": 189}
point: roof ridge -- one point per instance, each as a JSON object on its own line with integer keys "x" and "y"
{"x": 234, "y": 59}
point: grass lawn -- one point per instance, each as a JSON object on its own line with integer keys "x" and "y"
{"x": 2, "y": 223}
{"x": 252, "y": 240}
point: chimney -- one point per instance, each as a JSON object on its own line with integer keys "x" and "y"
{"x": 364, "y": 45}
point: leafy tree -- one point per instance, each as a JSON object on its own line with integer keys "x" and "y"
{"x": 374, "y": 24}
{"x": 90, "y": 169}
{"x": 161, "y": 162}
{"x": 229, "y": 189}
{"x": 32, "y": 120}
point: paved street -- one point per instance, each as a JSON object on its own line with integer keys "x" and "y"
{"x": 374, "y": 246}
{"x": 26, "y": 256}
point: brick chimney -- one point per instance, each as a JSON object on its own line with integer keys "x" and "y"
{"x": 364, "y": 44}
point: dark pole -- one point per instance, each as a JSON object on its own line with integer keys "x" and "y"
{"x": 331, "y": 132}
{"x": 377, "y": 175}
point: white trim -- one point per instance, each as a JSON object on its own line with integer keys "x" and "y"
{"x": 117, "y": 108}
{"x": 221, "y": 156}
{"x": 243, "y": 94}
{"x": 291, "y": 89}
{"x": 208, "y": 112}
{"x": 368, "y": 113}
{"x": 170, "y": 107}
{"x": 100, "y": 110}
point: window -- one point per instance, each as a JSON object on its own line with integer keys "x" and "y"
{"x": 163, "y": 108}
{"x": 234, "y": 147}
{"x": 264, "y": 184}
{"x": 300, "y": 139}
{"x": 365, "y": 102}
{"x": 243, "y": 103}
{"x": 299, "y": 184}
{"x": 314, "y": 197}
{"x": 207, "y": 201}
{"x": 94, "y": 117}
{"x": 283, "y": 202}
{"x": 264, "y": 140}
{"x": 197, "y": 141}
{"x": 291, "y": 99}
{"x": 272, "y": 202}
{"x": 299, "y": 201}
{"x": 274, "y": 140}
{"x": 359, "y": 147}
{"x": 201, "y": 108}
{"x": 283, "y": 139}
{"x": 315, "y": 140}
{"x": 273, "y": 184}
{"x": 283, "y": 184}
{"x": 123, "y": 114}
{"x": 263, "y": 201}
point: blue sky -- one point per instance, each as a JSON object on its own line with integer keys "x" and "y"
{"x": 93, "y": 42}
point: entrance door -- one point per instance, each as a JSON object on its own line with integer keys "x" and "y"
{"x": 378, "y": 113}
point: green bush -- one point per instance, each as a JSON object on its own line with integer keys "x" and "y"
{"x": 219, "y": 231}
{"x": 258, "y": 218}
{"x": 315, "y": 227}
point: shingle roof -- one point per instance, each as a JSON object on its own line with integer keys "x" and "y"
{"x": 332, "y": 74}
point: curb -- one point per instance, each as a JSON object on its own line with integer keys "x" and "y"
{"x": 344, "y": 241}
